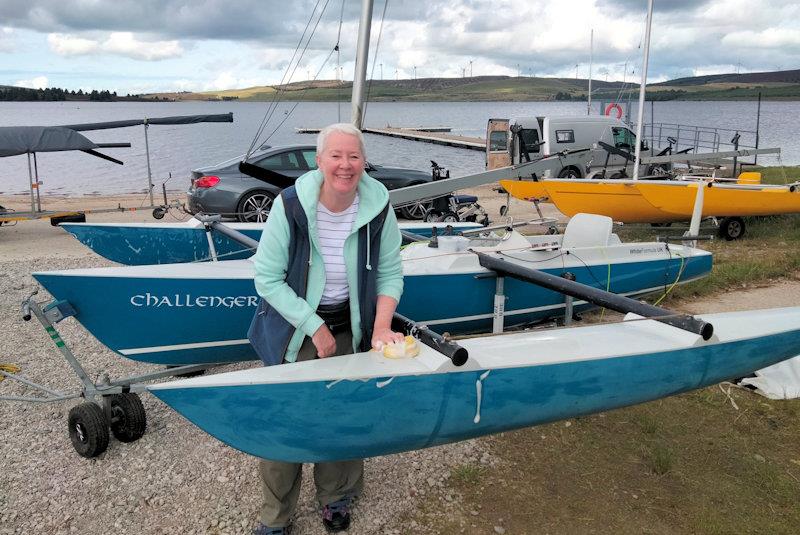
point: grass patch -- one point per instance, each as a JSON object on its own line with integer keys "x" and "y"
{"x": 467, "y": 474}
{"x": 686, "y": 464}
{"x": 659, "y": 458}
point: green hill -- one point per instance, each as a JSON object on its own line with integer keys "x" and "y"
{"x": 776, "y": 85}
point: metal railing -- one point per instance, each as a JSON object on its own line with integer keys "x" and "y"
{"x": 698, "y": 138}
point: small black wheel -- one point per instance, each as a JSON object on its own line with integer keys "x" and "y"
{"x": 661, "y": 225}
{"x": 551, "y": 231}
{"x": 731, "y": 228}
{"x": 255, "y": 206}
{"x": 618, "y": 175}
{"x": 569, "y": 172}
{"x": 159, "y": 213}
{"x": 504, "y": 210}
{"x": 432, "y": 216}
{"x": 128, "y": 419}
{"x": 449, "y": 217}
{"x": 88, "y": 429}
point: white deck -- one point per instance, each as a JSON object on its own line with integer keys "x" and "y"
{"x": 534, "y": 348}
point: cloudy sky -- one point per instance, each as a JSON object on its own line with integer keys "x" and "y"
{"x": 136, "y": 46}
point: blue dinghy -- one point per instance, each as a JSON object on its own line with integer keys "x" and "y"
{"x": 140, "y": 244}
{"x": 364, "y": 405}
{"x": 199, "y": 313}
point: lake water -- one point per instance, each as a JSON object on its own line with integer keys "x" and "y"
{"x": 176, "y": 150}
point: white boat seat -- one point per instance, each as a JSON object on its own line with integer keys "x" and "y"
{"x": 588, "y": 230}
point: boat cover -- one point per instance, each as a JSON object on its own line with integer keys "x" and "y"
{"x": 15, "y": 140}
{"x": 779, "y": 381}
{"x": 178, "y": 119}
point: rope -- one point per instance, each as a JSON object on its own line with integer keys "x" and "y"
{"x": 677, "y": 279}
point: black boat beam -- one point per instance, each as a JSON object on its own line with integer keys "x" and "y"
{"x": 434, "y": 340}
{"x": 596, "y": 296}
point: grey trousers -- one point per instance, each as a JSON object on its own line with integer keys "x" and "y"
{"x": 280, "y": 482}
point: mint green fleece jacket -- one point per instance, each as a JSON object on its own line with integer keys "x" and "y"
{"x": 272, "y": 258}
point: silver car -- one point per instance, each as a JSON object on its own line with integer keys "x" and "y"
{"x": 224, "y": 189}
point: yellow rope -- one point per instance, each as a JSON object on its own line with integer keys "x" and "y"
{"x": 677, "y": 279}
{"x": 9, "y": 368}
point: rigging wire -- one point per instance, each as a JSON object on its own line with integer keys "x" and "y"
{"x": 374, "y": 61}
{"x": 289, "y": 113}
{"x": 338, "y": 64}
{"x": 273, "y": 105}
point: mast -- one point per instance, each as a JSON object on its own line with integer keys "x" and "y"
{"x": 640, "y": 111}
{"x": 591, "y": 59}
{"x": 362, "y": 55}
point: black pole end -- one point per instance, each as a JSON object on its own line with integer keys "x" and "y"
{"x": 707, "y": 331}
{"x": 459, "y": 356}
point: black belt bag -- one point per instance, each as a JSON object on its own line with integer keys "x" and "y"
{"x": 336, "y": 317}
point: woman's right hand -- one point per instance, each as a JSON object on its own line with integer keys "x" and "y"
{"x": 324, "y": 341}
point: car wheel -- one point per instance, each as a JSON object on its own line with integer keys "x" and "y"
{"x": 569, "y": 172}
{"x": 255, "y": 206}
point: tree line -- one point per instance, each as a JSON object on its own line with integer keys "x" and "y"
{"x": 8, "y": 93}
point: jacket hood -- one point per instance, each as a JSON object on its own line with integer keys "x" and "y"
{"x": 372, "y": 197}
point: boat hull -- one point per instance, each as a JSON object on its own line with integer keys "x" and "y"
{"x": 620, "y": 200}
{"x": 327, "y": 420}
{"x": 169, "y": 243}
{"x": 202, "y": 316}
{"x": 722, "y": 199}
{"x": 655, "y": 201}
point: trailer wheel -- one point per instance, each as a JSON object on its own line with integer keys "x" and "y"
{"x": 414, "y": 212}
{"x": 88, "y": 429}
{"x": 731, "y": 228}
{"x": 570, "y": 172}
{"x": 449, "y": 217}
{"x": 432, "y": 216}
{"x": 159, "y": 213}
{"x": 128, "y": 418}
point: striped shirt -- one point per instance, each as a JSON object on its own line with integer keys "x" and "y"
{"x": 333, "y": 229}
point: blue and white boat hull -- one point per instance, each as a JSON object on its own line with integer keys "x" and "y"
{"x": 364, "y": 405}
{"x": 199, "y": 313}
{"x": 140, "y": 244}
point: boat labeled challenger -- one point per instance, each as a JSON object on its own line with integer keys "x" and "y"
{"x": 195, "y": 313}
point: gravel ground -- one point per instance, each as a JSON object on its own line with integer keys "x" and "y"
{"x": 176, "y": 479}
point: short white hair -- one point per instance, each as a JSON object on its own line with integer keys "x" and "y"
{"x": 342, "y": 128}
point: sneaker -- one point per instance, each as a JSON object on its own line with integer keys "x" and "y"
{"x": 261, "y": 529}
{"x": 336, "y": 515}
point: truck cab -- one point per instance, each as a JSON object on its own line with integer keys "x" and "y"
{"x": 526, "y": 139}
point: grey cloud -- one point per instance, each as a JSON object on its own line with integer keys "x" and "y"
{"x": 212, "y": 19}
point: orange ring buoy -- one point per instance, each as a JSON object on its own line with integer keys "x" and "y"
{"x": 613, "y": 106}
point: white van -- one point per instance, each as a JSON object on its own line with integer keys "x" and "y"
{"x": 514, "y": 141}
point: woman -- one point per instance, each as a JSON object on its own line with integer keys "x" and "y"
{"x": 328, "y": 269}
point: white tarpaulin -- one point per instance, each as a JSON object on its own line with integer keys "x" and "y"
{"x": 780, "y": 381}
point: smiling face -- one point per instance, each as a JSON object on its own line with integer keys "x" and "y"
{"x": 341, "y": 163}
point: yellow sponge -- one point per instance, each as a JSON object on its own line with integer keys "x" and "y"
{"x": 408, "y": 348}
